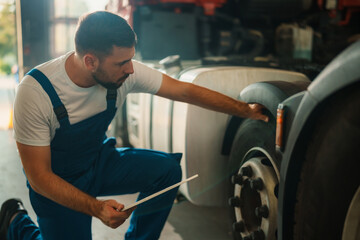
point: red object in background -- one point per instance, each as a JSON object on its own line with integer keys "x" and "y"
{"x": 341, "y": 3}
{"x": 125, "y": 8}
{"x": 348, "y": 6}
{"x": 208, "y": 5}
{"x": 349, "y": 3}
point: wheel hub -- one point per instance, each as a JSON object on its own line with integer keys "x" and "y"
{"x": 254, "y": 201}
{"x": 352, "y": 220}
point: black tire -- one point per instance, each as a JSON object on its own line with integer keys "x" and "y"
{"x": 250, "y": 134}
{"x": 330, "y": 173}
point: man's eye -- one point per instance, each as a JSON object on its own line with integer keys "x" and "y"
{"x": 123, "y": 63}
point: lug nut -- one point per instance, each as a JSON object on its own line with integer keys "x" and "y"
{"x": 237, "y": 179}
{"x": 258, "y": 235}
{"x": 262, "y": 212}
{"x": 256, "y": 184}
{"x": 246, "y": 171}
{"x": 235, "y": 202}
{"x": 239, "y": 226}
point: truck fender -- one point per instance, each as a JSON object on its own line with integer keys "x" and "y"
{"x": 269, "y": 94}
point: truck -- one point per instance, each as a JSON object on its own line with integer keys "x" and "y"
{"x": 293, "y": 177}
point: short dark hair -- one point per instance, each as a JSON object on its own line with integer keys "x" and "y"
{"x": 98, "y": 32}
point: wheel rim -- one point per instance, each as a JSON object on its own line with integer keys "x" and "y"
{"x": 352, "y": 220}
{"x": 255, "y": 201}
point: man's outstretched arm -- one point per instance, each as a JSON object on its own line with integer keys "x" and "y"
{"x": 209, "y": 99}
{"x": 37, "y": 165}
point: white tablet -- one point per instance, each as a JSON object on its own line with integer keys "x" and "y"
{"x": 158, "y": 193}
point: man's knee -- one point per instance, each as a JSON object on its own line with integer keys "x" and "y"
{"x": 177, "y": 172}
{"x": 170, "y": 172}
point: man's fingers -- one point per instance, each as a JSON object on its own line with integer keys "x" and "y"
{"x": 117, "y": 224}
{"x": 261, "y": 117}
{"x": 116, "y": 219}
{"x": 112, "y": 215}
{"x": 114, "y": 204}
{"x": 258, "y": 112}
{"x": 119, "y": 207}
{"x": 265, "y": 118}
{"x": 130, "y": 210}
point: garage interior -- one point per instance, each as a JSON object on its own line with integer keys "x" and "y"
{"x": 210, "y": 38}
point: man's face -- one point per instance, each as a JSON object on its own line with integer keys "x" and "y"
{"x": 114, "y": 69}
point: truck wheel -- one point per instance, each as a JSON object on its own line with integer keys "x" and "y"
{"x": 330, "y": 174}
{"x": 254, "y": 181}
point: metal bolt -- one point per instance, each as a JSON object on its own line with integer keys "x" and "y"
{"x": 257, "y": 184}
{"x": 239, "y": 226}
{"x": 262, "y": 211}
{"x": 235, "y": 202}
{"x": 258, "y": 235}
{"x": 237, "y": 179}
{"x": 246, "y": 171}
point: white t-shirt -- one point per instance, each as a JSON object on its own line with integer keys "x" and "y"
{"x": 34, "y": 119}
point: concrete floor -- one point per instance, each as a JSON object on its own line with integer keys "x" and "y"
{"x": 186, "y": 221}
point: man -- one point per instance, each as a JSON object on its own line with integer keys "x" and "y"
{"x": 62, "y": 110}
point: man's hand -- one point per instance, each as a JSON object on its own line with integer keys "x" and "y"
{"x": 111, "y": 214}
{"x": 256, "y": 112}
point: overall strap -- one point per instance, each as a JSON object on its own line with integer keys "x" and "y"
{"x": 111, "y": 98}
{"x": 58, "y": 106}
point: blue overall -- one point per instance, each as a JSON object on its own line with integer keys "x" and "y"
{"x": 82, "y": 155}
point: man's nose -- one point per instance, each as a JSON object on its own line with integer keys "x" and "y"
{"x": 129, "y": 68}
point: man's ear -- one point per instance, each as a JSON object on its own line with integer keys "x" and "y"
{"x": 91, "y": 62}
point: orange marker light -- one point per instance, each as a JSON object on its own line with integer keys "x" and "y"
{"x": 279, "y": 126}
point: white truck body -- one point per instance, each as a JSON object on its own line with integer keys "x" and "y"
{"x": 160, "y": 124}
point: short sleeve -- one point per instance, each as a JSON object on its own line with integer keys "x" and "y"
{"x": 146, "y": 79}
{"x": 32, "y": 109}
